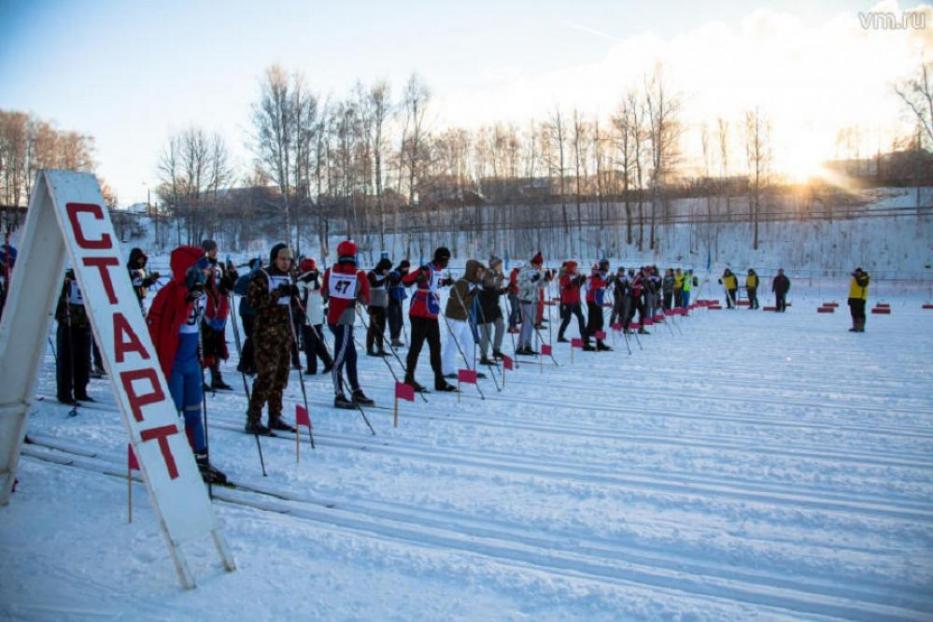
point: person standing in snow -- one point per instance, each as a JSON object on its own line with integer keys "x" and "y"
{"x": 247, "y": 364}
{"x": 457, "y": 320}
{"x": 73, "y": 347}
{"x": 270, "y": 293}
{"x": 621, "y": 289}
{"x": 312, "y": 336}
{"x": 531, "y": 279}
{"x": 667, "y": 288}
{"x": 174, "y": 323}
{"x": 379, "y": 301}
{"x": 344, "y": 287}
{"x": 397, "y": 296}
{"x": 217, "y": 290}
{"x": 515, "y": 309}
{"x": 780, "y": 285}
{"x": 689, "y": 282}
{"x": 678, "y": 288}
{"x": 569, "y": 283}
{"x": 730, "y": 283}
{"x": 136, "y": 266}
{"x": 858, "y": 299}
{"x": 595, "y": 297}
{"x": 423, "y": 311}
{"x": 751, "y": 287}
{"x": 492, "y": 326}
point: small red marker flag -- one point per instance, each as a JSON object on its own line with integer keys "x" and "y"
{"x": 576, "y": 342}
{"x": 302, "y": 417}
{"x": 131, "y": 460}
{"x": 546, "y": 349}
{"x": 601, "y": 335}
{"x": 466, "y": 376}
{"x": 404, "y": 391}
{"x": 507, "y": 362}
{"x": 617, "y": 326}
{"x": 647, "y": 321}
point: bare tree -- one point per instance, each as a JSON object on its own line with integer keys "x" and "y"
{"x": 917, "y": 95}
{"x": 413, "y": 152}
{"x": 757, "y": 153}
{"x": 274, "y": 136}
{"x": 663, "y": 137}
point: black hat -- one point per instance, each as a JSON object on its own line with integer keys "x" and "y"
{"x": 441, "y": 254}
{"x": 208, "y": 245}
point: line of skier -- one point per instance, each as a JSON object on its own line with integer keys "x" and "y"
{"x": 285, "y": 303}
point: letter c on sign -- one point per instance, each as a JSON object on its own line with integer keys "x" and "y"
{"x": 95, "y": 210}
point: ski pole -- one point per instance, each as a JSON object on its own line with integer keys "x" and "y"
{"x": 492, "y": 373}
{"x": 460, "y": 350}
{"x": 391, "y": 371}
{"x": 301, "y": 377}
{"x": 239, "y": 354}
{"x": 207, "y": 447}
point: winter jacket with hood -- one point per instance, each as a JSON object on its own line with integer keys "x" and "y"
{"x": 494, "y": 286}
{"x": 569, "y": 282}
{"x": 530, "y": 280}
{"x": 171, "y": 309}
{"x": 463, "y": 291}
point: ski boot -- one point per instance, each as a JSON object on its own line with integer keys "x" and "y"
{"x": 414, "y": 385}
{"x": 256, "y": 427}
{"x": 277, "y": 423}
{"x": 359, "y": 398}
{"x": 341, "y": 401}
{"x": 497, "y": 354}
{"x": 209, "y": 473}
{"x": 602, "y": 347}
{"x": 445, "y": 387}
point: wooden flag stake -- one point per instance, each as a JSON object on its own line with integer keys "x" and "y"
{"x": 395, "y": 412}
{"x": 129, "y": 492}
{"x": 297, "y": 444}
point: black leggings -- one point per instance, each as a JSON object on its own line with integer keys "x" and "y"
{"x": 424, "y": 329}
{"x": 377, "y": 328}
{"x": 396, "y": 321}
{"x": 314, "y": 347}
{"x": 566, "y": 311}
{"x": 344, "y": 357}
{"x": 595, "y": 323}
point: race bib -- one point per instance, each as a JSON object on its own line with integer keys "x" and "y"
{"x": 195, "y": 313}
{"x": 74, "y": 294}
{"x": 343, "y": 286}
{"x": 275, "y": 281}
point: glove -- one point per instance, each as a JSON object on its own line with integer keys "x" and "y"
{"x": 422, "y": 277}
{"x": 286, "y": 289}
{"x": 194, "y": 294}
{"x": 535, "y": 277}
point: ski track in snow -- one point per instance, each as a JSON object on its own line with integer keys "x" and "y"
{"x": 756, "y": 466}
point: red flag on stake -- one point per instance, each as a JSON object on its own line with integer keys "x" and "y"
{"x": 507, "y": 362}
{"x": 601, "y": 335}
{"x": 576, "y": 342}
{"x": 466, "y": 376}
{"x": 404, "y": 391}
{"x": 302, "y": 417}
{"x": 647, "y": 321}
{"x": 546, "y": 349}
{"x": 617, "y": 326}
{"x": 131, "y": 462}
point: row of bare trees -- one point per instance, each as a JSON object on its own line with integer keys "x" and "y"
{"x": 28, "y": 144}
{"x": 371, "y": 163}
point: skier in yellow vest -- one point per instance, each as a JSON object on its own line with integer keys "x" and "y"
{"x": 858, "y": 299}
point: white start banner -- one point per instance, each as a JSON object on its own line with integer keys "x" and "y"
{"x": 69, "y": 207}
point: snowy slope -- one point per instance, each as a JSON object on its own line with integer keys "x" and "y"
{"x": 752, "y": 466}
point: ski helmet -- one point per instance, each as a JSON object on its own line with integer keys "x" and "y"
{"x": 346, "y": 252}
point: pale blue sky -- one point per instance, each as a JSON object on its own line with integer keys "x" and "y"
{"x": 130, "y": 73}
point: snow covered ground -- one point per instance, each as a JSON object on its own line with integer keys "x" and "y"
{"x": 752, "y": 466}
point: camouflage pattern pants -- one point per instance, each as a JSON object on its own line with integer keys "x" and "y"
{"x": 272, "y": 352}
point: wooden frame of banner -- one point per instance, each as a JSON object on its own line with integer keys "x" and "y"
{"x": 67, "y": 219}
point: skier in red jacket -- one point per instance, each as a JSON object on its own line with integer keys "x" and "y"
{"x": 344, "y": 286}
{"x": 423, "y": 312}
{"x": 174, "y": 322}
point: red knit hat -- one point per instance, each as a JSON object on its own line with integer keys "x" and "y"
{"x": 307, "y": 265}
{"x": 538, "y": 259}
